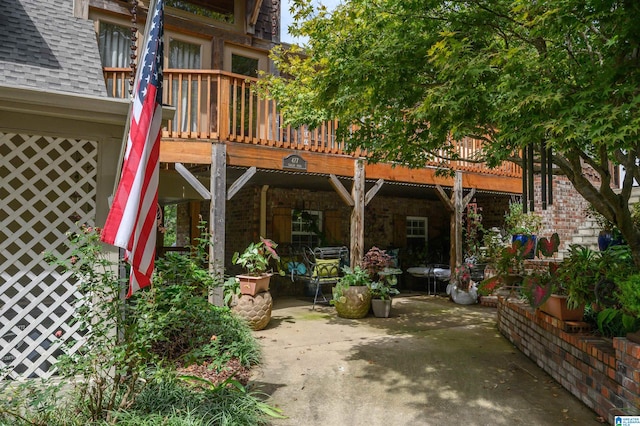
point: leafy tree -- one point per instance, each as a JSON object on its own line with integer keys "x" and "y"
{"x": 413, "y": 75}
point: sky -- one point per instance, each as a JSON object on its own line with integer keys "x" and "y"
{"x": 286, "y": 19}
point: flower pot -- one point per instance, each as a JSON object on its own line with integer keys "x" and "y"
{"x": 556, "y": 306}
{"x": 606, "y": 240}
{"x": 354, "y": 303}
{"x": 252, "y": 285}
{"x": 256, "y": 310}
{"x": 381, "y": 308}
{"x": 463, "y": 297}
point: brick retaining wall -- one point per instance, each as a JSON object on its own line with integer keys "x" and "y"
{"x": 602, "y": 373}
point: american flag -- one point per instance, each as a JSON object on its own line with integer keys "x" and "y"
{"x": 131, "y": 223}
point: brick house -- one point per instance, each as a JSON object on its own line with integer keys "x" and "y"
{"x": 225, "y": 157}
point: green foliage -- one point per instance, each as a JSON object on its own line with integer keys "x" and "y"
{"x": 112, "y": 365}
{"x": 177, "y": 401}
{"x": 616, "y": 323}
{"x": 118, "y": 375}
{"x": 385, "y": 287}
{"x": 231, "y": 289}
{"x": 382, "y": 277}
{"x": 169, "y": 228}
{"x": 257, "y": 256}
{"x": 536, "y": 288}
{"x": 183, "y": 319}
{"x": 472, "y": 233}
{"x": 487, "y": 286}
{"x": 31, "y": 402}
{"x": 352, "y": 277}
{"x": 412, "y": 76}
{"x": 628, "y": 294}
{"x": 518, "y": 222}
{"x": 547, "y": 247}
{"x": 589, "y": 276}
{"x": 494, "y": 242}
{"x": 579, "y": 274}
{"x": 511, "y": 260}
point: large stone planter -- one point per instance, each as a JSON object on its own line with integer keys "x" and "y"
{"x": 354, "y": 303}
{"x": 556, "y": 306}
{"x": 256, "y": 310}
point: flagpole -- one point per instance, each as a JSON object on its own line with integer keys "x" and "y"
{"x": 125, "y": 136}
{"x": 131, "y": 221}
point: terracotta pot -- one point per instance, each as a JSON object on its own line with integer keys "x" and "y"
{"x": 252, "y": 285}
{"x": 256, "y": 310}
{"x": 556, "y": 306}
{"x": 356, "y": 303}
{"x": 381, "y": 308}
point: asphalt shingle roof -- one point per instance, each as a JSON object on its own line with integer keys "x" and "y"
{"x": 42, "y": 45}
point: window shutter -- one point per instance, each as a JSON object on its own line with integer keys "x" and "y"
{"x": 281, "y": 225}
{"x": 399, "y": 230}
{"x": 333, "y": 227}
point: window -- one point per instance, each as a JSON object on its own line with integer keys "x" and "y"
{"x": 416, "y": 232}
{"x": 114, "y": 42}
{"x": 220, "y": 10}
{"x": 244, "y": 62}
{"x": 115, "y": 45}
{"x": 305, "y": 228}
{"x": 244, "y": 65}
{"x": 184, "y": 95}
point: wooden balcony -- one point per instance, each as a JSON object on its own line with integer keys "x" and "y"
{"x": 221, "y": 106}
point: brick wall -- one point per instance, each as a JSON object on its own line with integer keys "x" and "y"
{"x": 243, "y": 215}
{"x": 566, "y": 213}
{"x": 602, "y": 373}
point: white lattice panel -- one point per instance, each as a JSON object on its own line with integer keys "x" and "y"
{"x": 47, "y": 185}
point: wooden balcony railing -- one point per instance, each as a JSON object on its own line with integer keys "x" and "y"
{"x": 212, "y": 104}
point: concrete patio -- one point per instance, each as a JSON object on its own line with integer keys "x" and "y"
{"x": 432, "y": 363}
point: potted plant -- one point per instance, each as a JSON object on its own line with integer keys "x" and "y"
{"x": 522, "y": 226}
{"x": 578, "y": 274}
{"x": 351, "y": 295}
{"x": 462, "y": 289}
{"x": 256, "y": 261}
{"x": 383, "y": 280}
{"x": 509, "y": 264}
{"x": 475, "y": 253}
{"x": 254, "y": 309}
{"x": 609, "y": 234}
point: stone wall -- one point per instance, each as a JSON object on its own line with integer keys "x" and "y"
{"x": 602, "y": 373}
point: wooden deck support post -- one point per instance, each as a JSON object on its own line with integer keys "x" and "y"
{"x": 456, "y": 206}
{"x": 357, "y": 214}
{"x": 217, "y": 217}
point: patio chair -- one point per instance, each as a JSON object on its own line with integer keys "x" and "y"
{"x": 323, "y": 268}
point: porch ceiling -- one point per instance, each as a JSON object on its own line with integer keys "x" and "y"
{"x": 174, "y": 188}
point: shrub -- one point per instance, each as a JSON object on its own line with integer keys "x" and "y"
{"x": 115, "y": 376}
